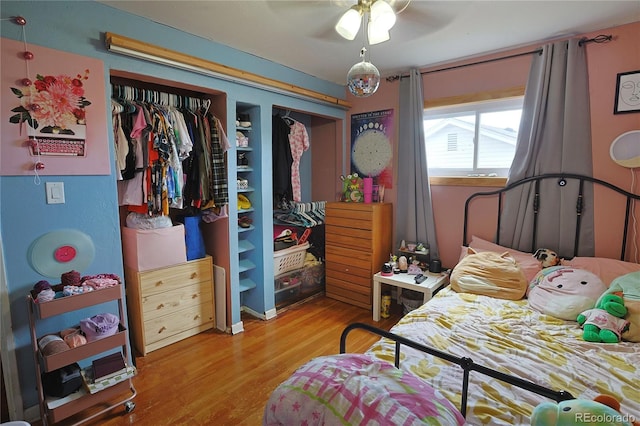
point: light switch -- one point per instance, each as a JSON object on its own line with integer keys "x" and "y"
{"x": 55, "y": 192}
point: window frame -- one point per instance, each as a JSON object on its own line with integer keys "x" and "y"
{"x": 504, "y": 99}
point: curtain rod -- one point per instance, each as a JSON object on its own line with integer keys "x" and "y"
{"x": 602, "y": 38}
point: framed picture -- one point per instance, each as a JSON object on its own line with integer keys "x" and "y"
{"x": 627, "y": 93}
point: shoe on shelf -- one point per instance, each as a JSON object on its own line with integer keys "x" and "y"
{"x": 244, "y": 120}
{"x": 243, "y": 184}
{"x": 243, "y": 202}
{"x": 245, "y": 222}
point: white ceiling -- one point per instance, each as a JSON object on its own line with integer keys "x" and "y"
{"x": 300, "y": 34}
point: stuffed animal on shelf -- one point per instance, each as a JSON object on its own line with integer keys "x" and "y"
{"x": 547, "y": 257}
{"x": 352, "y": 188}
{"x": 605, "y": 323}
{"x": 603, "y": 410}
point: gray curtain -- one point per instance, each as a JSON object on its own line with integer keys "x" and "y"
{"x": 554, "y": 137}
{"x": 414, "y": 211}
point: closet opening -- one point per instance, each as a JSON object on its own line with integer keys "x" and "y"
{"x": 171, "y": 166}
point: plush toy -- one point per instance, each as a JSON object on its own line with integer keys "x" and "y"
{"x": 547, "y": 257}
{"x": 352, "y": 188}
{"x": 604, "y": 323}
{"x": 603, "y": 410}
{"x": 628, "y": 287}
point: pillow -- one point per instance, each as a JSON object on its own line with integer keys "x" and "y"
{"x": 564, "y": 292}
{"x": 529, "y": 264}
{"x": 607, "y": 269}
{"x": 490, "y": 274}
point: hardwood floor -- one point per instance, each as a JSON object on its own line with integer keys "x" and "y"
{"x": 219, "y": 379}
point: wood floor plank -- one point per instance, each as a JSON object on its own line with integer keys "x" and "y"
{"x": 215, "y": 378}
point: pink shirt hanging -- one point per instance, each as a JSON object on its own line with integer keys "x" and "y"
{"x": 299, "y": 142}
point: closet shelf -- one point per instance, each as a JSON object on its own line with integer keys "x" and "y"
{"x": 249, "y": 189}
{"x": 246, "y": 129}
{"x": 246, "y": 265}
{"x": 250, "y": 228}
{"x": 244, "y": 148}
{"x": 245, "y": 246}
{"x": 240, "y": 211}
{"x": 244, "y": 169}
{"x": 247, "y": 284}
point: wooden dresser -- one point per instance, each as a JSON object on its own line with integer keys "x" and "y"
{"x": 169, "y": 304}
{"x": 357, "y": 244}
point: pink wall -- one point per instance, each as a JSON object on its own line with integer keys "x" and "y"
{"x": 605, "y": 61}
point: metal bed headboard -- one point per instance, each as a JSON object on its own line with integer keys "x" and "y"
{"x": 562, "y": 180}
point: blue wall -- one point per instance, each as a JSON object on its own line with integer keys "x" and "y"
{"x": 91, "y": 201}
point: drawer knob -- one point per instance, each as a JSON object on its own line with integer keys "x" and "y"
{"x": 194, "y": 275}
{"x": 162, "y": 329}
{"x": 196, "y": 317}
{"x": 160, "y": 306}
{"x": 159, "y": 283}
{"x": 194, "y": 296}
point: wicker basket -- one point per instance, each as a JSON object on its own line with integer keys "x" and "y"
{"x": 289, "y": 259}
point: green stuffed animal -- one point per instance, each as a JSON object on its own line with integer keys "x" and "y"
{"x": 604, "y": 410}
{"x": 604, "y": 323}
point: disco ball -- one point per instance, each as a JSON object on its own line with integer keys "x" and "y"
{"x": 363, "y": 79}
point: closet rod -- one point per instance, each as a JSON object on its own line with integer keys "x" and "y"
{"x": 602, "y": 38}
{"x": 131, "y": 93}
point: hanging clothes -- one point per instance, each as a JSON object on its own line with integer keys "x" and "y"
{"x": 282, "y": 161}
{"x": 175, "y": 156}
{"x": 299, "y": 143}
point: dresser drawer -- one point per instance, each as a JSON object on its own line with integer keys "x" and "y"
{"x": 358, "y": 276}
{"x": 348, "y": 293}
{"x": 352, "y": 220}
{"x": 355, "y": 238}
{"x": 349, "y": 257}
{"x": 166, "y": 326}
{"x": 165, "y": 279}
{"x": 171, "y": 301}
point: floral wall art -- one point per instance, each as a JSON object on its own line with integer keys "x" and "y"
{"x": 53, "y": 113}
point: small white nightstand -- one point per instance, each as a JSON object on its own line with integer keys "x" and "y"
{"x": 403, "y": 280}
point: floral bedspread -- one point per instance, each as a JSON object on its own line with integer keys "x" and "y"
{"x": 510, "y": 337}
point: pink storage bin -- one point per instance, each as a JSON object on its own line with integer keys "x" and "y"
{"x": 146, "y": 249}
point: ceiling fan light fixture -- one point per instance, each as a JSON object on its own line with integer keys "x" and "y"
{"x": 382, "y": 15}
{"x": 349, "y": 24}
{"x": 376, "y": 34}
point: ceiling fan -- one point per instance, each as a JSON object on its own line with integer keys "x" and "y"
{"x": 379, "y": 16}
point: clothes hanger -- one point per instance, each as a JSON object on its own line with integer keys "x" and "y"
{"x": 290, "y": 121}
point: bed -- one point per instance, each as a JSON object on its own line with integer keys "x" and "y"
{"x": 493, "y": 359}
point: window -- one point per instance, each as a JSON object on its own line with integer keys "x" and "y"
{"x": 476, "y": 139}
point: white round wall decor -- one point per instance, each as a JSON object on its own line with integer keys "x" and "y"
{"x": 625, "y": 149}
{"x": 57, "y": 252}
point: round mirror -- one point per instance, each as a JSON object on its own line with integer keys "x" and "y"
{"x": 625, "y": 149}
